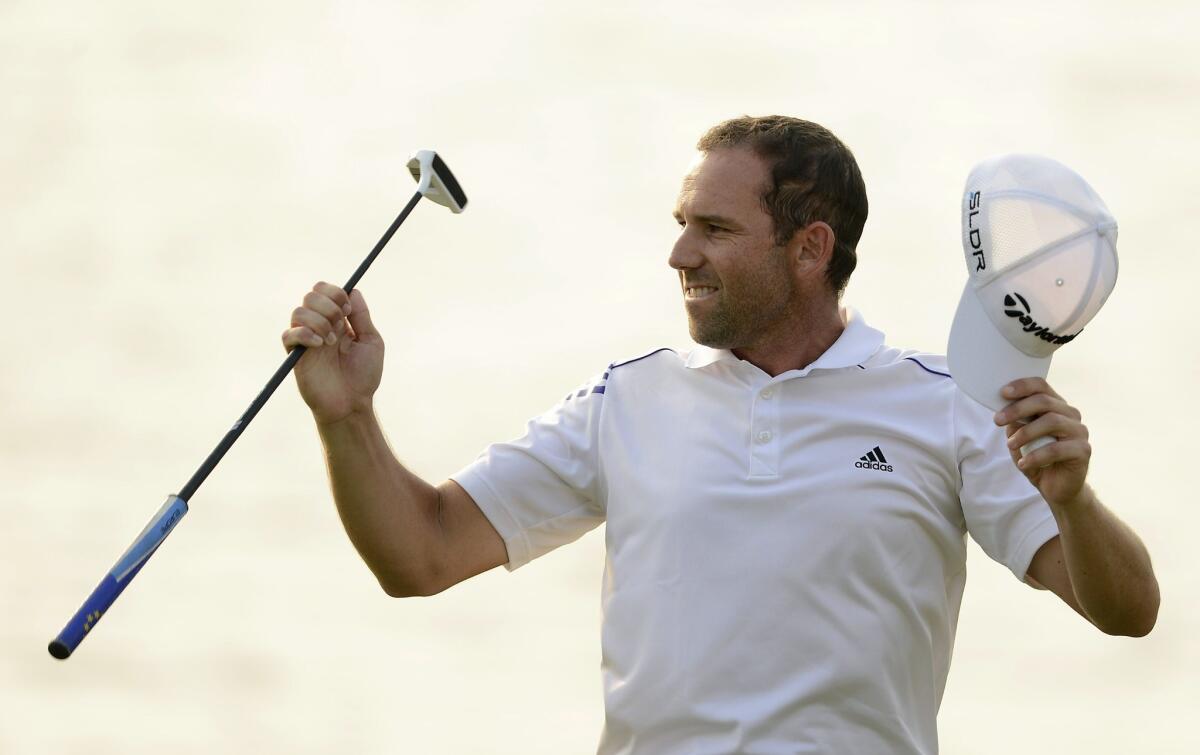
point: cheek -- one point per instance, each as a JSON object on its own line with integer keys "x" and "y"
{"x": 754, "y": 273}
{"x": 731, "y": 262}
{"x": 774, "y": 274}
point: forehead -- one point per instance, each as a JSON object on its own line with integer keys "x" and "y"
{"x": 729, "y": 178}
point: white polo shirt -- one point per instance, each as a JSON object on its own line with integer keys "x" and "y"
{"x": 785, "y": 556}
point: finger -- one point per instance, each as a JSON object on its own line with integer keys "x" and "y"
{"x": 1027, "y": 387}
{"x": 1015, "y": 453}
{"x": 336, "y": 294}
{"x": 326, "y": 307}
{"x": 1057, "y": 453}
{"x": 316, "y": 322}
{"x": 1053, "y": 425}
{"x": 1033, "y": 406}
{"x": 301, "y": 336}
{"x": 360, "y": 316}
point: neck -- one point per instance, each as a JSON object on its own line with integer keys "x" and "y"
{"x": 803, "y": 338}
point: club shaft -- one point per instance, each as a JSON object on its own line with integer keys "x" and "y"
{"x": 289, "y": 363}
{"x": 128, "y": 566}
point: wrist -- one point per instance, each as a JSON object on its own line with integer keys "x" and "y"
{"x": 356, "y": 417}
{"x": 1083, "y": 502}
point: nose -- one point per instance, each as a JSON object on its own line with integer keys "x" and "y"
{"x": 686, "y": 254}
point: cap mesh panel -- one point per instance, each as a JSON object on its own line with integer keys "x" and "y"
{"x": 1019, "y": 226}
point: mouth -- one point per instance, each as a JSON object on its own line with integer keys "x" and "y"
{"x": 699, "y": 292}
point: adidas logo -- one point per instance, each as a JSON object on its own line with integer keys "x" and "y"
{"x": 874, "y": 460}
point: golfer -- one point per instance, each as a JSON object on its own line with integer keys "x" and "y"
{"x": 787, "y": 504}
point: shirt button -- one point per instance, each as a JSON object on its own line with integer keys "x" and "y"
{"x": 764, "y": 436}
{"x": 767, "y": 392}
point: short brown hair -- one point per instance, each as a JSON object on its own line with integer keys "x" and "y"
{"x": 813, "y": 177}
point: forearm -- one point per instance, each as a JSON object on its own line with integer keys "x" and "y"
{"x": 1109, "y": 567}
{"x": 388, "y": 512}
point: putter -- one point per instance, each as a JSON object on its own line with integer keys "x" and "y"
{"x": 434, "y": 182}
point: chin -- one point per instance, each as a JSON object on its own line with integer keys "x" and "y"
{"x": 709, "y": 338}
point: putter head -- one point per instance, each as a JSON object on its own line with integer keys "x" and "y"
{"x": 435, "y": 181}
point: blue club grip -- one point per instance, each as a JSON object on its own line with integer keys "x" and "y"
{"x": 119, "y": 577}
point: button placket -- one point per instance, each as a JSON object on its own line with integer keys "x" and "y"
{"x": 764, "y": 433}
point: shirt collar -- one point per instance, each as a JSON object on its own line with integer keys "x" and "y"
{"x": 855, "y": 345}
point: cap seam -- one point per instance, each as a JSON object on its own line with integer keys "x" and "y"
{"x": 1048, "y": 199}
{"x": 1052, "y": 247}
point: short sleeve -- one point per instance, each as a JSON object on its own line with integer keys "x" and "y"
{"x": 543, "y": 489}
{"x": 1004, "y": 512}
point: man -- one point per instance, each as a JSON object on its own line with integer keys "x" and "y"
{"x": 786, "y": 505}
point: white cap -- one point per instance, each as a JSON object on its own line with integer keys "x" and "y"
{"x": 1041, "y": 252}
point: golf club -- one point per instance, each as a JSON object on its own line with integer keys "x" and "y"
{"x": 434, "y": 182}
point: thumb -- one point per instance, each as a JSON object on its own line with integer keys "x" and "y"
{"x": 360, "y": 316}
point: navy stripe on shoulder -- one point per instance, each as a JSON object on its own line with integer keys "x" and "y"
{"x": 600, "y": 384}
{"x": 917, "y": 362}
{"x": 584, "y": 391}
{"x": 615, "y": 365}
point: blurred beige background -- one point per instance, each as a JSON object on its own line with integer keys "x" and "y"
{"x": 176, "y": 176}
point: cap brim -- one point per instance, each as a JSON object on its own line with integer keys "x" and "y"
{"x": 981, "y": 359}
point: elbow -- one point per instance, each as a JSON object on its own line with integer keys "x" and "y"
{"x": 1150, "y": 614}
{"x": 1141, "y": 622}
{"x": 1147, "y": 623}
{"x": 1141, "y": 632}
{"x": 403, "y": 586}
{"x": 400, "y": 590}
{"x": 1139, "y": 628}
{"x": 411, "y": 586}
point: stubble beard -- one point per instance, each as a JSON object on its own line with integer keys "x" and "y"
{"x": 743, "y": 313}
{"x": 718, "y": 329}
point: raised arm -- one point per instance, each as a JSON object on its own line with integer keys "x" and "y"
{"x": 1097, "y": 565}
{"x": 416, "y": 538}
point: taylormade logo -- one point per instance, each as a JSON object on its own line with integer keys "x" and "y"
{"x": 1019, "y": 308}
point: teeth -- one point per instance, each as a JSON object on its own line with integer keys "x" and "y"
{"x": 699, "y": 291}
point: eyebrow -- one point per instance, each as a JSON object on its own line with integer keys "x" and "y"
{"x": 710, "y": 219}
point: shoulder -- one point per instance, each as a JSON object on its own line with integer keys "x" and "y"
{"x": 928, "y": 375}
{"x": 922, "y": 364}
{"x": 918, "y": 383}
{"x": 638, "y": 365}
{"x": 649, "y": 365}
{"x": 658, "y": 356}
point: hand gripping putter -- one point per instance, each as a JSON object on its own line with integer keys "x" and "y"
{"x": 434, "y": 182}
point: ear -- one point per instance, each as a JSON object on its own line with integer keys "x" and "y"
{"x": 811, "y": 248}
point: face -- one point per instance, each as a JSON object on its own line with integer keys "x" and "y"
{"x": 737, "y": 283}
